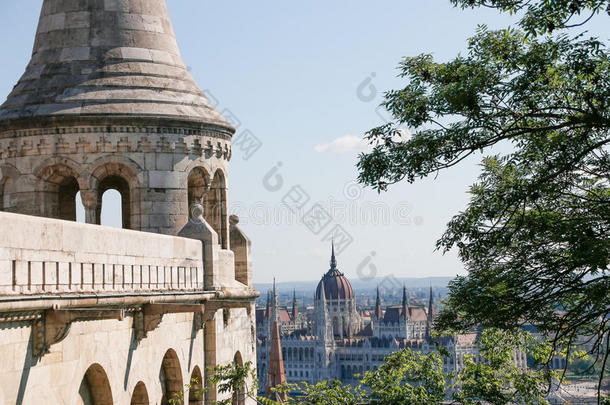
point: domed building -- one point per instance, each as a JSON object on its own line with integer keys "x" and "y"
{"x": 340, "y": 301}
{"x": 334, "y": 342}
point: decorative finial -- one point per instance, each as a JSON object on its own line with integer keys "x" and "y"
{"x": 233, "y": 220}
{"x": 196, "y": 210}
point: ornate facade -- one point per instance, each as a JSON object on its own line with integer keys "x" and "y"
{"x": 93, "y": 315}
{"x": 338, "y": 344}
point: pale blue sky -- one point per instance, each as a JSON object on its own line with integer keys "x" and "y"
{"x": 289, "y": 72}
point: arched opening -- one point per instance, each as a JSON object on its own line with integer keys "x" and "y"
{"x": 336, "y": 325}
{"x": 198, "y": 181}
{"x": 196, "y": 387}
{"x": 215, "y": 208}
{"x": 112, "y": 209}
{"x": 170, "y": 376}
{"x": 60, "y": 194}
{"x": 239, "y": 396}
{"x": 212, "y": 194}
{"x": 95, "y": 388}
{"x": 140, "y": 395}
{"x": 67, "y": 198}
{"x": 118, "y": 202}
{"x": 2, "y": 203}
{"x": 80, "y": 209}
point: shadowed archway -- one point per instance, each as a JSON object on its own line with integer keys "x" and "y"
{"x": 170, "y": 376}
{"x": 195, "y": 390}
{"x": 95, "y": 388}
{"x": 140, "y": 395}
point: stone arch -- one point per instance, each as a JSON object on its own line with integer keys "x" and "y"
{"x": 95, "y": 388}
{"x": 120, "y": 175}
{"x": 198, "y": 183}
{"x": 140, "y": 395}
{"x": 62, "y": 181}
{"x": 239, "y": 396}
{"x": 215, "y": 207}
{"x": 170, "y": 376}
{"x": 196, "y": 390}
{"x": 336, "y": 326}
{"x": 8, "y": 176}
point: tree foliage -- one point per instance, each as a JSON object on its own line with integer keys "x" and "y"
{"x": 408, "y": 377}
{"x": 545, "y": 16}
{"x": 535, "y": 236}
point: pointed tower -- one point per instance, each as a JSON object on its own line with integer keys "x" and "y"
{"x": 276, "y": 374}
{"x": 378, "y": 310}
{"x": 106, "y": 102}
{"x": 274, "y": 314}
{"x": 405, "y": 303}
{"x": 431, "y": 309}
{"x": 431, "y": 314}
{"x": 295, "y": 309}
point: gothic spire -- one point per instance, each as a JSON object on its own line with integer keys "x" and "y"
{"x": 274, "y": 309}
{"x": 378, "y": 311}
{"x": 276, "y": 374}
{"x": 295, "y": 310}
{"x": 405, "y": 303}
{"x": 431, "y": 314}
{"x": 333, "y": 260}
{"x": 431, "y": 310}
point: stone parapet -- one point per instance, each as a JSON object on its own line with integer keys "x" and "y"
{"x": 47, "y": 256}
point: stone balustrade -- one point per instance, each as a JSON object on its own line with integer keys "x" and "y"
{"x": 40, "y": 256}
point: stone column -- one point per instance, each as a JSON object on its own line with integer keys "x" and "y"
{"x": 198, "y": 228}
{"x": 89, "y": 198}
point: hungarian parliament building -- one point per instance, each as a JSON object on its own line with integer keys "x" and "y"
{"x": 341, "y": 343}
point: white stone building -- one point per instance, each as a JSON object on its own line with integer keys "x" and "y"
{"x": 99, "y": 316}
{"x": 339, "y": 345}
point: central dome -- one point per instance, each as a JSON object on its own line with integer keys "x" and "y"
{"x": 336, "y": 285}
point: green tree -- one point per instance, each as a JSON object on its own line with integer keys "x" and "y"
{"x": 535, "y": 236}
{"x": 496, "y": 378}
{"x": 408, "y": 377}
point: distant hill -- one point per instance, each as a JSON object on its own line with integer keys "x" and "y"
{"x": 307, "y": 287}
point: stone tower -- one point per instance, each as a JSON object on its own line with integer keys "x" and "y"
{"x": 97, "y": 315}
{"x": 107, "y": 102}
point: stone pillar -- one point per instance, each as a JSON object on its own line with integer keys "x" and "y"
{"x": 90, "y": 203}
{"x": 240, "y": 245}
{"x": 198, "y": 228}
{"x": 210, "y": 359}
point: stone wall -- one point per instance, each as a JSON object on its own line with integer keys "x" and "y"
{"x": 39, "y": 255}
{"x": 149, "y": 165}
{"x": 89, "y": 313}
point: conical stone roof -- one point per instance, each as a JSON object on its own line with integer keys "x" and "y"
{"x": 107, "y": 58}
